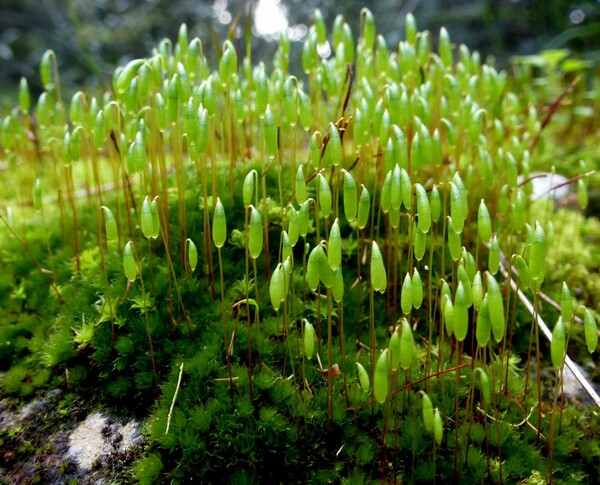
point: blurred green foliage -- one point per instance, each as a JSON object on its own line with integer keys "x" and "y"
{"x": 90, "y": 37}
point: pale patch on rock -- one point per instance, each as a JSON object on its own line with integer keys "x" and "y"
{"x": 96, "y": 437}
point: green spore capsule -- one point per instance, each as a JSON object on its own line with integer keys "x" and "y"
{"x": 494, "y": 256}
{"x": 290, "y": 100}
{"x": 458, "y": 211}
{"x": 423, "y": 208}
{"x": 395, "y": 190}
{"x": 484, "y": 223}
{"x": 407, "y": 345}
{"x": 161, "y": 113}
{"x": 523, "y": 270}
{"x": 255, "y": 233}
{"x": 477, "y": 290}
{"x": 417, "y": 289}
{"x": 304, "y": 110}
{"x": 312, "y": 269}
{"x": 518, "y": 211}
{"x": 334, "y": 146}
{"x": 303, "y": 218}
{"x": 427, "y": 413}
{"x": 248, "y": 187}
{"x": 410, "y": 29}
{"x": 293, "y": 225}
{"x": 496, "y": 307}
{"x": 363, "y": 378}
{"x": 435, "y": 202}
{"x": 99, "y": 130}
{"x": 110, "y": 224}
{"x": 406, "y": 189}
{"x": 386, "y": 193}
{"x": 558, "y": 345}
{"x": 126, "y": 75}
{"x": 486, "y": 388}
{"x": 445, "y": 47}
{"x": 239, "y": 106}
{"x": 381, "y": 377}
{"x": 324, "y": 193}
{"x": 334, "y": 246}
{"x": 202, "y": 133}
{"x": 325, "y": 273}
{"x": 262, "y": 91}
{"x": 461, "y": 313}
{"x": 394, "y": 348}
{"x": 277, "y": 287}
{"x": 591, "y": 330}
{"x": 463, "y": 277}
{"x": 378, "y": 274}
{"x": 24, "y": 95}
{"x": 146, "y": 219}
{"x": 483, "y": 326}
{"x": 309, "y": 339}
{"x": 270, "y": 132}
{"x": 566, "y": 304}
{"x": 300, "y": 185}
{"x": 75, "y": 143}
{"x": 219, "y": 227}
{"x": 286, "y": 247}
{"x": 136, "y": 156}
{"x": 129, "y": 264}
{"x": 406, "y": 294}
{"x": 448, "y": 316}
{"x": 315, "y": 148}
{"x": 537, "y": 256}
{"x": 453, "y": 241}
{"x": 76, "y": 109}
{"x": 367, "y": 23}
{"x": 438, "y": 427}
{"x": 350, "y": 196}
{"x": 337, "y": 287}
{"x": 419, "y": 243}
{"x": 192, "y": 254}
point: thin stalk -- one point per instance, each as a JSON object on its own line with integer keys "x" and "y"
{"x": 226, "y": 343}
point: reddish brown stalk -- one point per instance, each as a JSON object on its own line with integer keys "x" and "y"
{"x": 553, "y": 109}
{"x": 411, "y": 384}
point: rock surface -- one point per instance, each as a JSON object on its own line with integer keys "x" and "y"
{"x": 54, "y": 440}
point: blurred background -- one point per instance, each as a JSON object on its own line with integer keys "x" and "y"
{"x": 91, "y": 37}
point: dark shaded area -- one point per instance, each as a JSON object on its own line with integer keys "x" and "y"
{"x": 91, "y": 37}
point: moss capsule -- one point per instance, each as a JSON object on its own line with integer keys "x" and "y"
{"x": 334, "y": 246}
{"x": 255, "y": 233}
{"x": 406, "y": 294}
{"x": 427, "y": 412}
{"x": 483, "y": 325}
{"x": 192, "y": 254}
{"x": 484, "y": 223}
{"x": 219, "y": 227}
{"x": 381, "y": 377}
{"x": 423, "y": 208}
{"x": 591, "y": 330}
{"x": 496, "y": 307}
{"x": 377, "y": 268}
{"x": 407, "y": 345}
{"x": 350, "y": 196}
{"x": 559, "y": 344}
{"x": 129, "y": 264}
{"x": 309, "y": 339}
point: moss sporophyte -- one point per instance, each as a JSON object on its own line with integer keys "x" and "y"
{"x": 371, "y": 214}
